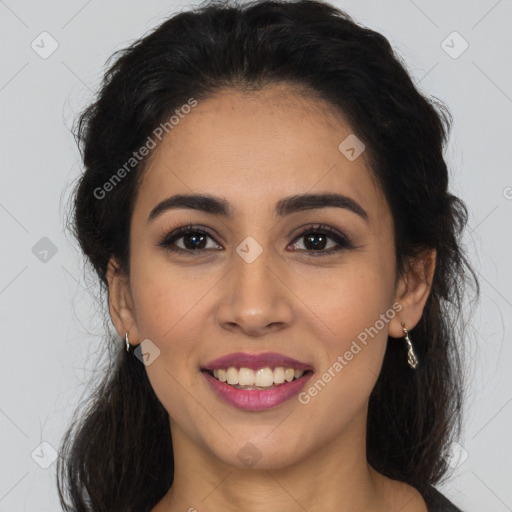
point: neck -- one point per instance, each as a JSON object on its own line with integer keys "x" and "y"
{"x": 335, "y": 476}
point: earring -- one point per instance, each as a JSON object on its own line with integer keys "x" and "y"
{"x": 411, "y": 356}
{"x": 127, "y": 343}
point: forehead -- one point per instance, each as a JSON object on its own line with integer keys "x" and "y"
{"x": 255, "y": 148}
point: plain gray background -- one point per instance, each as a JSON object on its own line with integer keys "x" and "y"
{"x": 52, "y": 326}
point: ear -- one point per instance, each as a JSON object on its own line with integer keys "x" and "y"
{"x": 120, "y": 301}
{"x": 412, "y": 292}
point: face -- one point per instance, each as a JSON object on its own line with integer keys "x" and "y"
{"x": 308, "y": 296}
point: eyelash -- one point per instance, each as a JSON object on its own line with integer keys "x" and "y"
{"x": 343, "y": 241}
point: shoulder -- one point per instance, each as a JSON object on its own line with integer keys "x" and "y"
{"x": 437, "y": 502}
{"x": 407, "y": 498}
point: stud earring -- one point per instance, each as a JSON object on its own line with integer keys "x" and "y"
{"x": 411, "y": 356}
{"x": 127, "y": 343}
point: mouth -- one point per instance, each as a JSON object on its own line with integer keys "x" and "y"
{"x": 239, "y": 390}
{"x": 256, "y": 381}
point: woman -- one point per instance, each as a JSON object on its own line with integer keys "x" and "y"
{"x": 265, "y": 202}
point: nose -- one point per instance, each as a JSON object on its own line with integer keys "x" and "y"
{"x": 255, "y": 300}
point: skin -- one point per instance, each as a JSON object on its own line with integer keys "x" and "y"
{"x": 254, "y": 149}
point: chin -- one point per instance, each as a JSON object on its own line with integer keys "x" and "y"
{"x": 259, "y": 452}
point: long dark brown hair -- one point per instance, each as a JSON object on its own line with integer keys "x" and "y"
{"x": 117, "y": 454}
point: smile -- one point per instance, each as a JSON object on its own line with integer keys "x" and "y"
{"x": 256, "y": 390}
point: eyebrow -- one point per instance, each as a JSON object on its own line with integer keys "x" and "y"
{"x": 286, "y": 206}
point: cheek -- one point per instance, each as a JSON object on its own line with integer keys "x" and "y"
{"x": 354, "y": 307}
{"x": 351, "y": 351}
{"x": 349, "y": 298}
{"x": 165, "y": 295}
{"x": 168, "y": 309}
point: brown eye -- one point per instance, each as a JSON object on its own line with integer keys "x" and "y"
{"x": 316, "y": 239}
{"x": 195, "y": 239}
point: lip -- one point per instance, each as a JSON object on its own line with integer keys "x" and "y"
{"x": 256, "y": 361}
{"x": 254, "y": 399}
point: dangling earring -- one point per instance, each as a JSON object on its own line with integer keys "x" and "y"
{"x": 127, "y": 343}
{"x": 411, "y": 356}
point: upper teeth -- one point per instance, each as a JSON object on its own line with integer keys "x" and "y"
{"x": 263, "y": 377}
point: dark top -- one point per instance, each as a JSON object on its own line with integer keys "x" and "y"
{"x": 436, "y": 502}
